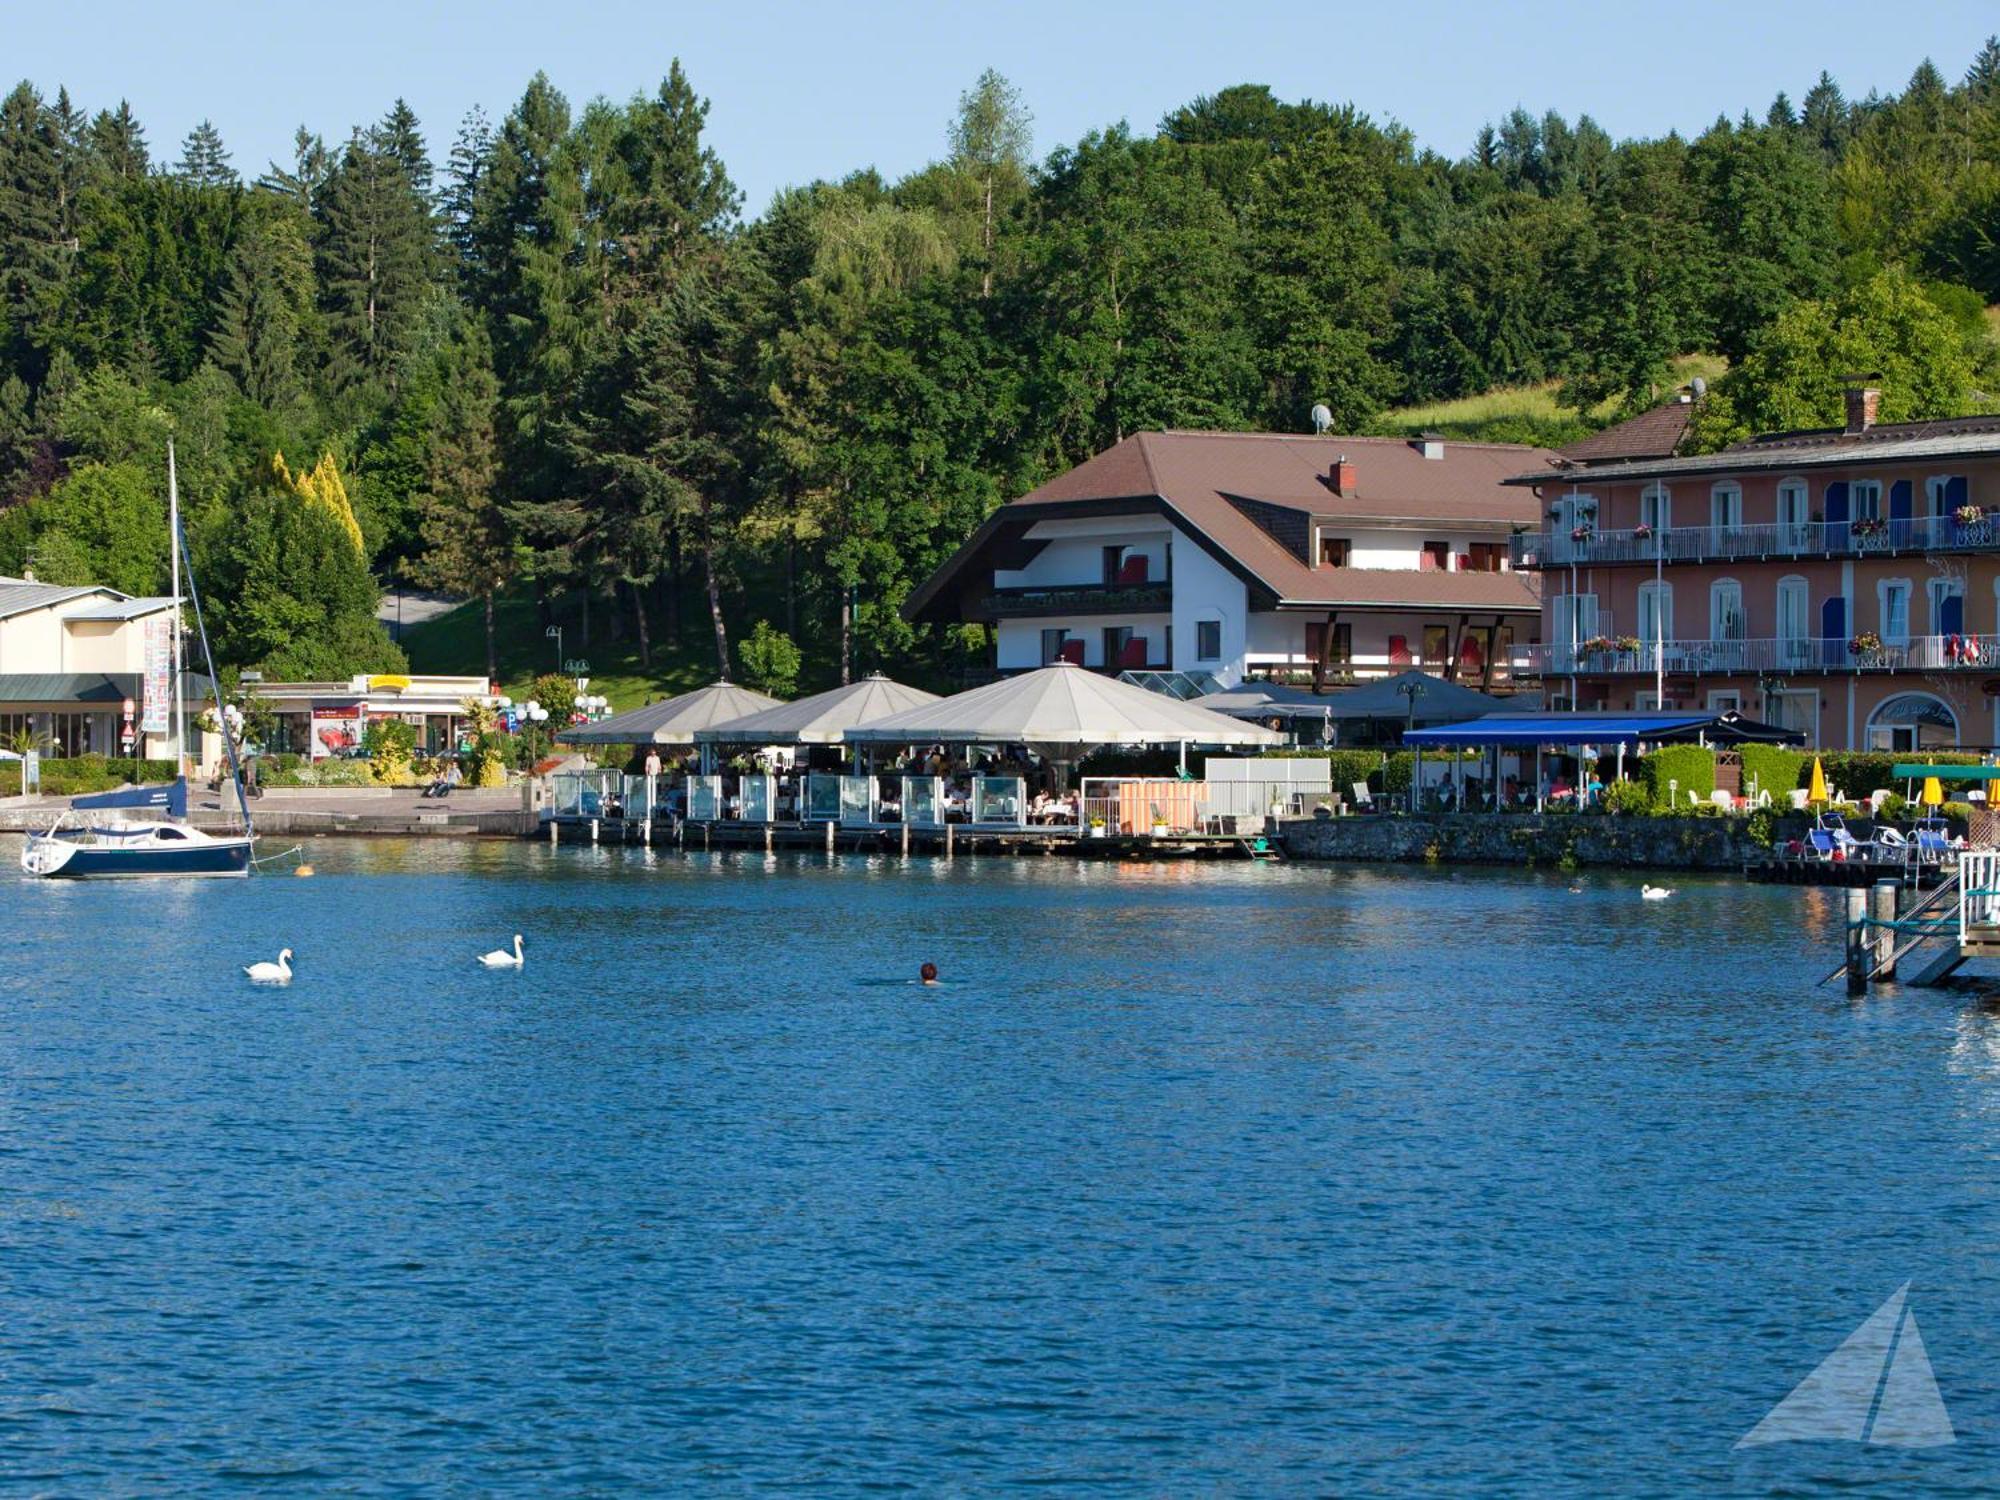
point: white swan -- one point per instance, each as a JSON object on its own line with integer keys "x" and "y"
{"x": 500, "y": 958}
{"x": 1654, "y": 892}
{"x": 277, "y": 973}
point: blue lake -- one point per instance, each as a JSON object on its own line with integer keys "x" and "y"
{"x": 1231, "y": 1178}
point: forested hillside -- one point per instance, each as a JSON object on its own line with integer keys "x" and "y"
{"x": 554, "y": 358}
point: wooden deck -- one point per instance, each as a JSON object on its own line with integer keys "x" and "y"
{"x": 895, "y": 838}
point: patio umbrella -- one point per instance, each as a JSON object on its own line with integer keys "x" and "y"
{"x": 1817, "y": 791}
{"x": 1933, "y": 792}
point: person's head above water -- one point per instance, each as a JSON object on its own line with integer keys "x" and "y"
{"x": 928, "y": 973}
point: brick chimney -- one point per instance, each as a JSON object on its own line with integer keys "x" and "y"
{"x": 1862, "y": 403}
{"x": 1341, "y": 476}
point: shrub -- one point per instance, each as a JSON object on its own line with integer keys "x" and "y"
{"x": 325, "y": 773}
{"x": 1343, "y": 767}
{"x": 75, "y": 775}
{"x": 390, "y": 744}
{"x": 556, "y": 693}
{"x": 1393, "y": 777}
{"x": 1762, "y": 826}
{"x": 1692, "y": 766}
{"x": 1627, "y": 797}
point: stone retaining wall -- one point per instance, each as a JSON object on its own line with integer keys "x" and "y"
{"x": 1520, "y": 839}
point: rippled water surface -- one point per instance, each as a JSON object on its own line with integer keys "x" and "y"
{"x": 1191, "y": 1179}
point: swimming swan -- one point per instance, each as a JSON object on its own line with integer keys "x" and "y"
{"x": 500, "y": 958}
{"x": 1654, "y": 892}
{"x": 277, "y": 973}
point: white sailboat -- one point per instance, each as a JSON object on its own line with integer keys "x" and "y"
{"x": 82, "y": 847}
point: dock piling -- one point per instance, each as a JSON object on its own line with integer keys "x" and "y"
{"x": 947, "y": 841}
{"x": 1882, "y": 928}
{"x": 829, "y": 838}
{"x": 1857, "y": 941}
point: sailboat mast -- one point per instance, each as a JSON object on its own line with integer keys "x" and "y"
{"x": 174, "y": 550}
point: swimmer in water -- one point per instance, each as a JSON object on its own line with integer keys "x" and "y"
{"x": 928, "y": 973}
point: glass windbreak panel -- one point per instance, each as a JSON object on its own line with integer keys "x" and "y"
{"x": 997, "y": 799}
{"x": 760, "y": 798}
{"x": 923, "y": 801}
{"x": 704, "y": 799}
{"x": 822, "y": 798}
{"x": 857, "y": 799}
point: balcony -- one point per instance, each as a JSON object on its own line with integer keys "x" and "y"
{"x": 1078, "y": 599}
{"x": 1678, "y": 544}
{"x": 1924, "y": 653}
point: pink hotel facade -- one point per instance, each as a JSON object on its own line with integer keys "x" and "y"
{"x": 1845, "y": 582}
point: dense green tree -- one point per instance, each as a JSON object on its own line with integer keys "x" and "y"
{"x": 1317, "y": 293}
{"x": 35, "y": 253}
{"x": 1793, "y": 377}
{"x": 467, "y": 547}
{"x": 118, "y": 144}
{"x": 1768, "y": 198}
{"x": 102, "y": 524}
{"x": 376, "y": 253}
{"x": 989, "y": 145}
{"x": 265, "y": 310}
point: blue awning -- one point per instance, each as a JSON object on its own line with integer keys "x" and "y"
{"x": 1562, "y": 729}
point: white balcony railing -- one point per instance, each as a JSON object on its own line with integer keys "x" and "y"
{"x": 1559, "y": 549}
{"x": 1926, "y": 653}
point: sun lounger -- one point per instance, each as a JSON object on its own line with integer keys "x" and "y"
{"x": 1821, "y": 844}
{"x": 1363, "y": 798}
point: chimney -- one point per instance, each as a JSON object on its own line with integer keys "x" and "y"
{"x": 27, "y": 575}
{"x": 1341, "y": 476}
{"x": 1863, "y": 401}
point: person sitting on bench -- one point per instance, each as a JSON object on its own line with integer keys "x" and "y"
{"x": 444, "y": 785}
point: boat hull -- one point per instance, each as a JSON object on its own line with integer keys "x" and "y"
{"x": 58, "y": 859}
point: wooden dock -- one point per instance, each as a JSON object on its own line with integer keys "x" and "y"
{"x": 948, "y": 842}
{"x": 1852, "y": 873}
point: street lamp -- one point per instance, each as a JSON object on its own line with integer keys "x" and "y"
{"x": 554, "y": 633}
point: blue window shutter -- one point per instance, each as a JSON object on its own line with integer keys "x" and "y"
{"x": 1954, "y": 491}
{"x": 1951, "y": 615}
{"x": 1836, "y": 502}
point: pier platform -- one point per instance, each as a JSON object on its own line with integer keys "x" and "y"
{"x": 895, "y": 838}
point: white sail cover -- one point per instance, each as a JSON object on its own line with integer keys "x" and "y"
{"x": 1061, "y": 705}
{"x": 822, "y": 719}
{"x": 671, "y": 721}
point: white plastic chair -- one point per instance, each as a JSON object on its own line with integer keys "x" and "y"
{"x": 1722, "y": 799}
{"x": 1798, "y": 796}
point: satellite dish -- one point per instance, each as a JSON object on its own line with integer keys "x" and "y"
{"x": 1322, "y": 416}
{"x": 1699, "y": 386}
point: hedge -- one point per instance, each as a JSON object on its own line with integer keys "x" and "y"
{"x": 1691, "y": 766}
{"x": 73, "y": 776}
{"x": 1859, "y": 772}
{"x": 1774, "y": 769}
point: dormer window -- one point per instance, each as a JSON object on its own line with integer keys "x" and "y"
{"x": 1335, "y": 551}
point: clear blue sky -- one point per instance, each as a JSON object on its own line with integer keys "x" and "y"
{"x": 814, "y": 90}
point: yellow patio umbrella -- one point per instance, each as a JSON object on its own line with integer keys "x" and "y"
{"x": 1933, "y": 793}
{"x": 1817, "y": 791}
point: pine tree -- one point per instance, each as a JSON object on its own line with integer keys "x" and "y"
{"x": 468, "y": 546}
{"x": 263, "y": 310}
{"x": 400, "y": 136}
{"x": 463, "y": 171}
{"x": 35, "y": 253}
{"x": 303, "y": 181}
{"x": 674, "y": 195}
{"x": 119, "y": 143}
{"x": 204, "y": 160}
{"x": 376, "y": 259}
{"x": 1827, "y": 119}
{"x": 1982, "y": 79}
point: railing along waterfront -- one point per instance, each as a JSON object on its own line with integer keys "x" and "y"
{"x": 1863, "y": 537}
{"x": 1927, "y": 653}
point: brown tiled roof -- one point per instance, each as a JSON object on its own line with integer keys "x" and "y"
{"x": 1651, "y": 434}
{"x": 1195, "y": 478}
{"x": 1393, "y": 480}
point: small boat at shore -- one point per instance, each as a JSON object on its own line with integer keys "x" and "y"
{"x": 81, "y": 846}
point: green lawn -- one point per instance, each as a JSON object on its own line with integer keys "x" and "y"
{"x": 456, "y": 642}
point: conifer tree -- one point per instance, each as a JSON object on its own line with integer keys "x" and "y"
{"x": 119, "y": 143}
{"x": 463, "y": 171}
{"x": 262, "y": 313}
{"x": 306, "y": 177}
{"x": 376, "y": 259}
{"x": 204, "y": 160}
{"x": 35, "y": 254}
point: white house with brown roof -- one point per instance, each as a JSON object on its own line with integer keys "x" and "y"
{"x": 1253, "y": 555}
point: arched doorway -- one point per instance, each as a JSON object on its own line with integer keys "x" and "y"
{"x": 1912, "y": 721}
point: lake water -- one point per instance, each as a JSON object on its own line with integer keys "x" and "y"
{"x": 1191, "y": 1178}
